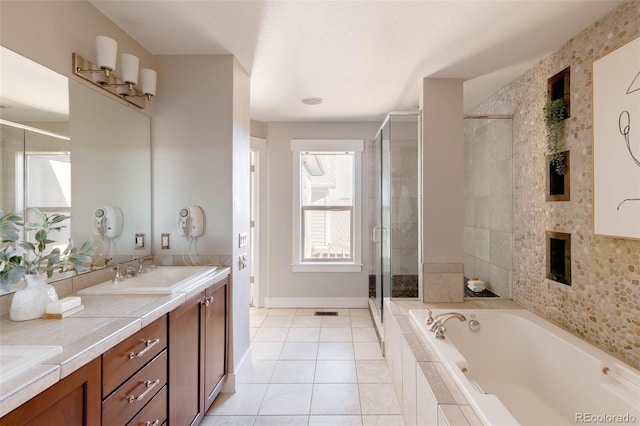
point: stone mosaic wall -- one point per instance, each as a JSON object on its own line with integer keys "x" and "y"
{"x": 603, "y": 303}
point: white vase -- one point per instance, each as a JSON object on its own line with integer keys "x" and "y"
{"x": 31, "y": 301}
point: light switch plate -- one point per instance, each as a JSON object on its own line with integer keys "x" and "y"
{"x": 242, "y": 239}
{"x": 139, "y": 242}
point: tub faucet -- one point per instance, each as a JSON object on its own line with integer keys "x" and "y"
{"x": 438, "y": 324}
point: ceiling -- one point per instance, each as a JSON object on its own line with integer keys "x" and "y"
{"x": 364, "y": 58}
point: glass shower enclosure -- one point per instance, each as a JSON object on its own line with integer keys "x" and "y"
{"x": 394, "y": 210}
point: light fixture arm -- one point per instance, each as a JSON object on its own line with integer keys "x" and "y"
{"x": 88, "y": 71}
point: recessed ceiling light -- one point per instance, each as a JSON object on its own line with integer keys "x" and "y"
{"x": 312, "y": 101}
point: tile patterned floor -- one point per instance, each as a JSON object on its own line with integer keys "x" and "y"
{"x": 310, "y": 371}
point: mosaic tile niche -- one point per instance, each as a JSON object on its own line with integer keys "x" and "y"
{"x": 602, "y": 305}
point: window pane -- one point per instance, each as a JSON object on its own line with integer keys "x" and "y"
{"x": 327, "y": 234}
{"x": 327, "y": 179}
{"x": 48, "y": 180}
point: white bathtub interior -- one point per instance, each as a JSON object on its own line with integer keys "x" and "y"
{"x": 541, "y": 374}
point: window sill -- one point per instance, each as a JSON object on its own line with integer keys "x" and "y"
{"x": 326, "y": 267}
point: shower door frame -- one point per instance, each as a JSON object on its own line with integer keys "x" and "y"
{"x": 383, "y": 254}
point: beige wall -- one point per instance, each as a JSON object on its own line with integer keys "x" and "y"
{"x": 200, "y": 132}
{"x": 602, "y": 303}
{"x": 281, "y": 281}
{"x": 192, "y": 148}
{"x": 201, "y": 157}
{"x": 442, "y": 189}
{"x": 258, "y": 129}
{"x": 48, "y": 32}
{"x": 240, "y": 204}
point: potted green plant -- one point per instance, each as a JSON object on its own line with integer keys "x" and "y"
{"x": 554, "y": 115}
{"x": 35, "y": 261}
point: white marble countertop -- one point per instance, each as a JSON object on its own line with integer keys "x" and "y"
{"x": 105, "y": 321}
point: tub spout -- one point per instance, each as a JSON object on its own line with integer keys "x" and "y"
{"x": 438, "y": 324}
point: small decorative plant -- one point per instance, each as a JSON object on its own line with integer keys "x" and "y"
{"x": 554, "y": 115}
{"x": 19, "y": 258}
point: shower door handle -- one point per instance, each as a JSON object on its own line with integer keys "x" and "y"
{"x": 374, "y": 235}
{"x": 382, "y": 234}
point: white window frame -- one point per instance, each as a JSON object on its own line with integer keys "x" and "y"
{"x": 299, "y": 146}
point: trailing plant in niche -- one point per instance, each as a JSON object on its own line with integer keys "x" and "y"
{"x": 554, "y": 115}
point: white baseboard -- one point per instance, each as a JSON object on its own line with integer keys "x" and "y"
{"x": 230, "y": 384}
{"x": 316, "y": 302}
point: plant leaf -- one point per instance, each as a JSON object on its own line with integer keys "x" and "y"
{"x": 27, "y": 245}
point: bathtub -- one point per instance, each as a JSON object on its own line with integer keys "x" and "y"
{"x": 520, "y": 369}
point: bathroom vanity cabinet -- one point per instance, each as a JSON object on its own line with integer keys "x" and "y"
{"x": 73, "y": 401}
{"x": 169, "y": 372}
{"x": 133, "y": 373}
{"x": 197, "y": 353}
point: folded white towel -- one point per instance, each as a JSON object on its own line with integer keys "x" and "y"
{"x": 476, "y": 285}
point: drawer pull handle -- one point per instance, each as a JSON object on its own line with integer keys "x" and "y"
{"x": 207, "y": 300}
{"x": 148, "y": 345}
{"x": 150, "y": 384}
{"x": 150, "y": 423}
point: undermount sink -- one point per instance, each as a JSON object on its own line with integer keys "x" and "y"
{"x": 17, "y": 359}
{"x": 161, "y": 280}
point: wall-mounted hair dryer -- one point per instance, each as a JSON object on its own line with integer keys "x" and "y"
{"x": 107, "y": 221}
{"x": 191, "y": 221}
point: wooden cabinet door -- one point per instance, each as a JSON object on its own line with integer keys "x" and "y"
{"x": 73, "y": 401}
{"x": 186, "y": 362}
{"x": 216, "y": 340}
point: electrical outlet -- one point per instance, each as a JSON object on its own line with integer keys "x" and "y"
{"x": 165, "y": 241}
{"x": 242, "y": 261}
{"x": 139, "y": 244}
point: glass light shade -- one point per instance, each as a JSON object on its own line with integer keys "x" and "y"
{"x": 123, "y": 90}
{"x": 107, "y": 49}
{"x": 129, "y": 64}
{"x": 148, "y": 81}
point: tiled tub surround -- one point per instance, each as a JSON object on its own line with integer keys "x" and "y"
{"x": 425, "y": 391}
{"x": 603, "y": 302}
{"x": 546, "y": 377}
{"x": 105, "y": 322}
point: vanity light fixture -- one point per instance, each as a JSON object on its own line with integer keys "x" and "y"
{"x": 101, "y": 73}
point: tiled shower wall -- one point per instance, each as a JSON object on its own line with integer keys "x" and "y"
{"x": 603, "y": 303}
{"x": 404, "y": 212}
{"x": 488, "y": 198}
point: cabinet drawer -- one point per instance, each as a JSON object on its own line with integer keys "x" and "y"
{"x": 127, "y": 357}
{"x": 154, "y": 413}
{"x": 134, "y": 394}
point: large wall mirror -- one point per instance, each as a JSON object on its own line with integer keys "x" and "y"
{"x": 66, "y": 148}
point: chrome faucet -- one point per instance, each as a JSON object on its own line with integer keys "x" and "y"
{"x": 130, "y": 272}
{"x": 118, "y": 277}
{"x": 438, "y": 324}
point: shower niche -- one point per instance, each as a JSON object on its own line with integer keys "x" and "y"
{"x": 559, "y": 185}
{"x": 559, "y": 257}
